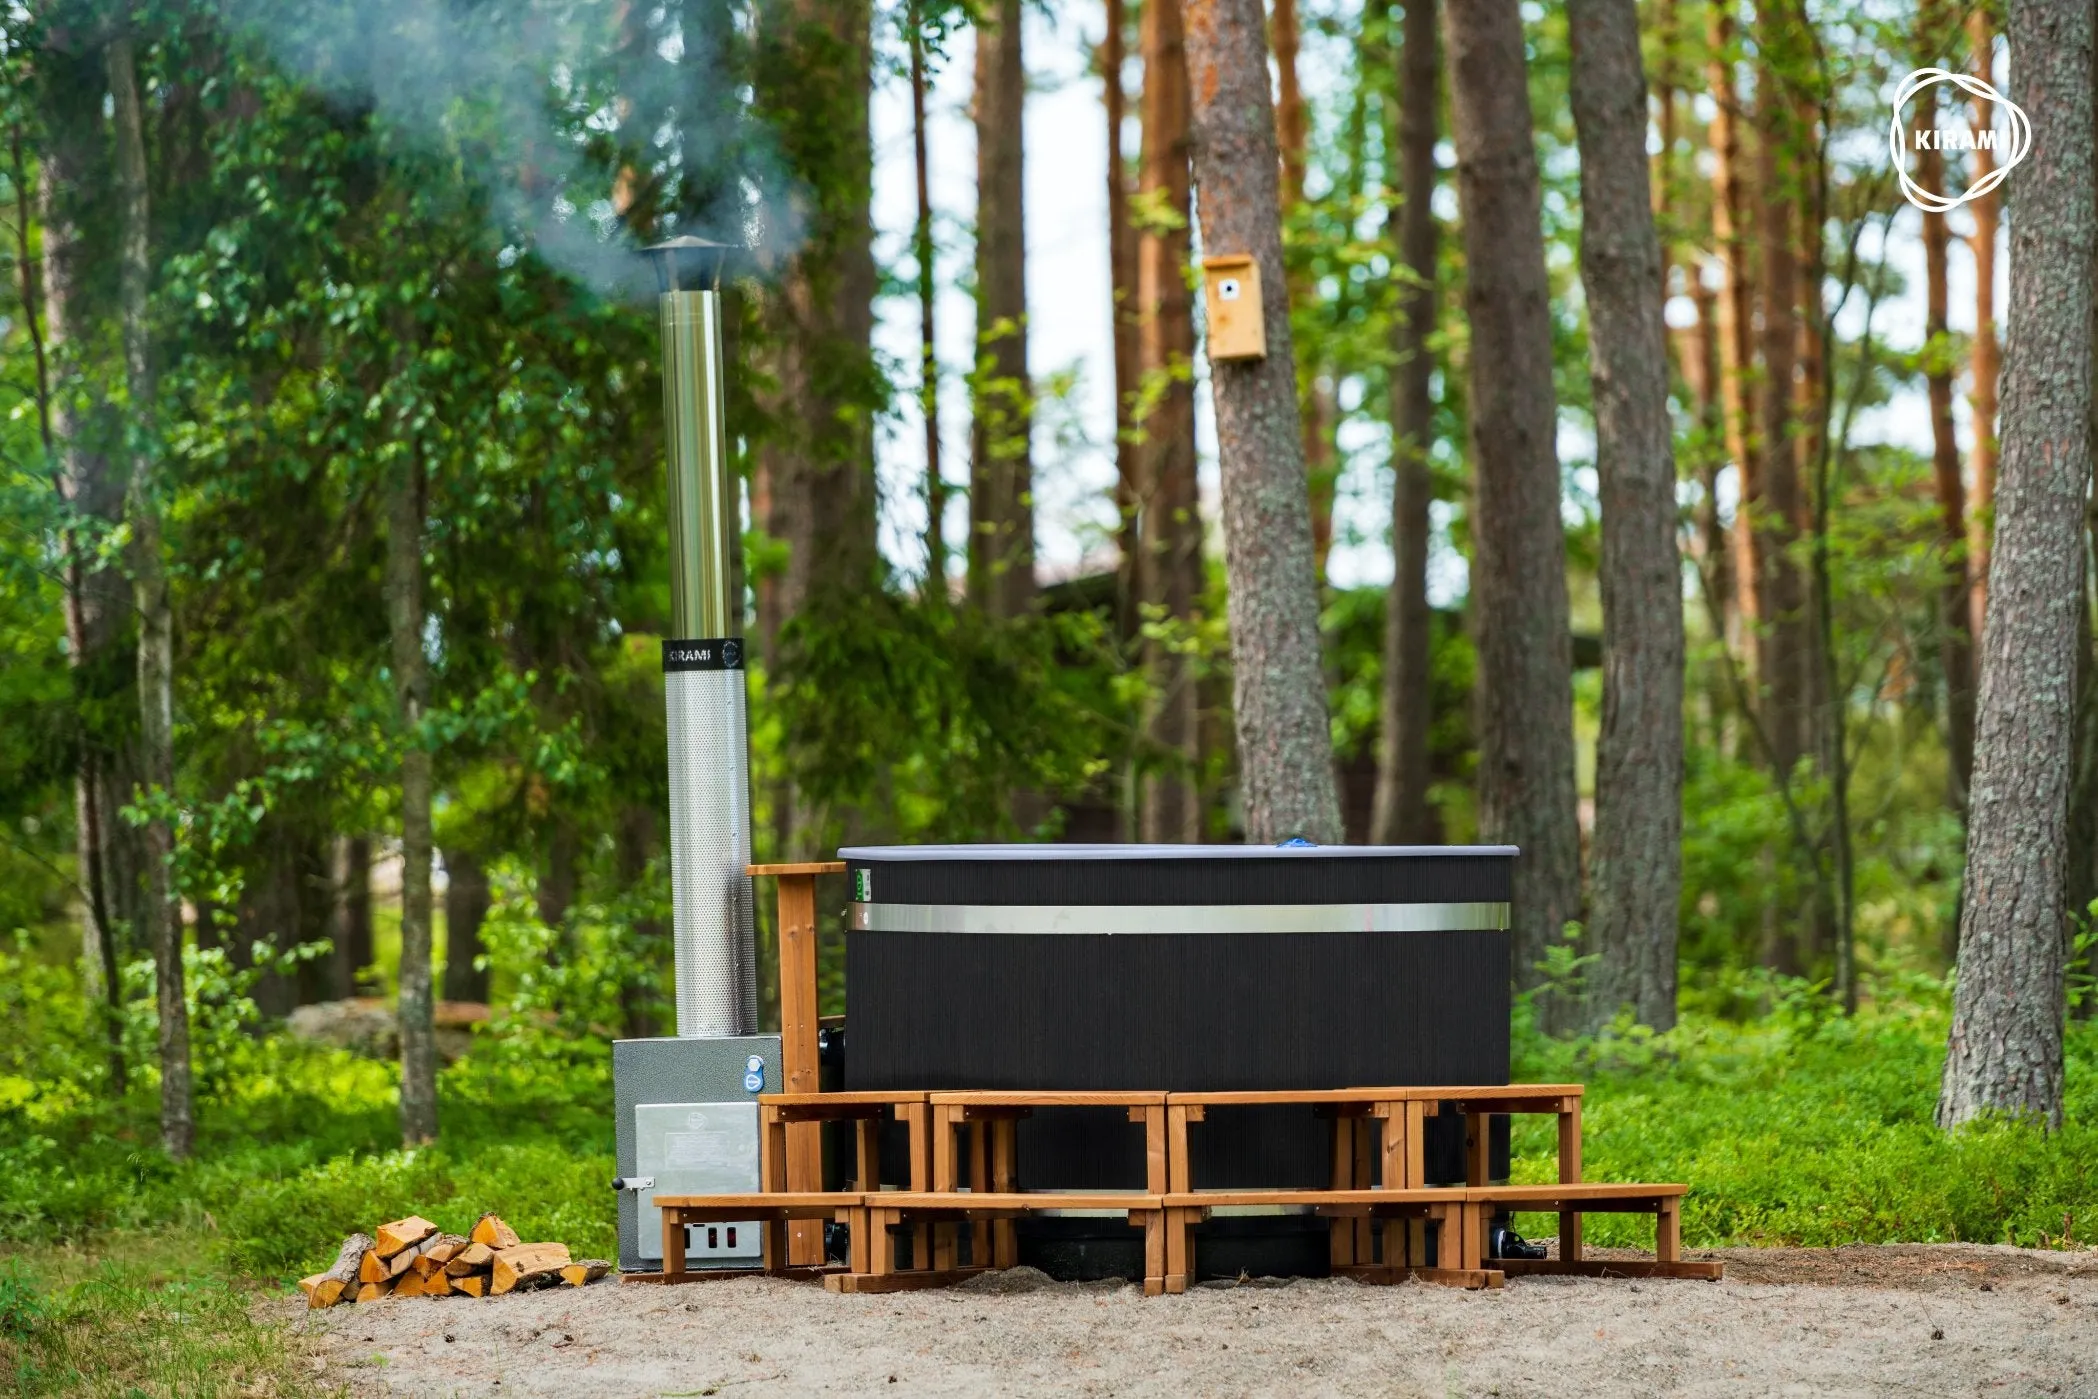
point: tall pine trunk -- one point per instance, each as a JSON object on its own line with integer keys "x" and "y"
{"x": 351, "y": 932}
{"x": 405, "y": 512}
{"x": 82, "y": 479}
{"x": 1518, "y": 584}
{"x": 1122, "y": 308}
{"x": 816, "y": 491}
{"x": 1314, "y": 399}
{"x": 1636, "y": 865}
{"x": 1169, "y": 512}
{"x": 1400, "y": 813}
{"x": 466, "y": 903}
{"x": 1001, "y": 474}
{"x": 925, "y": 254}
{"x": 1956, "y": 651}
{"x": 1987, "y": 354}
{"x": 2004, "y": 1053}
{"x": 1734, "y": 315}
{"x": 1285, "y": 751}
{"x": 156, "y": 630}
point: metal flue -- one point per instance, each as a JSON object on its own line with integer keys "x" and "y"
{"x": 703, "y": 659}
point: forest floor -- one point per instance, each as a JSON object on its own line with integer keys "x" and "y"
{"x": 1860, "y": 1320}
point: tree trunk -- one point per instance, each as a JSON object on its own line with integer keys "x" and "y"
{"x": 1735, "y": 316}
{"x": 1518, "y": 589}
{"x": 1956, "y": 653}
{"x": 1401, "y": 814}
{"x": 1285, "y": 749}
{"x": 815, "y": 77}
{"x": 1169, "y": 511}
{"x": 1121, "y": 257}
{"x": 405, "y": 617}
{"x": 926, "y": 255}
{"x": 558, "y": 861}
{"x": 352, "y": 865}
{"x": 466, "y": 904}
{"x": 1001, "y": 491}
{"x": 1637, "y": 860}
{"x": 2004, "y": 1053}
{"x": 1987, "y": 353}
{"x": 1292, "y": 135}
{"x": 82, "y": 479}
{"x": 1774, "y": 501}
{"x": 156, "y": 642}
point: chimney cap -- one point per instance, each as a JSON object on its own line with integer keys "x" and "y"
{"x": 689, "y": 263}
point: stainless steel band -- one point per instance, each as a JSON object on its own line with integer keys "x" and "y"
{"x": 1111, "y": 920}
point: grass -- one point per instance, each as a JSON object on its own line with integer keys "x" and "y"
{"x": 140, "y": 1313}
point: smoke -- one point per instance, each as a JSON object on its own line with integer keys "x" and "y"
{"x": 562, "y": 112}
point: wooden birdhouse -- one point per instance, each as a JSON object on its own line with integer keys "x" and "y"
{"x": 1231, "y": 296}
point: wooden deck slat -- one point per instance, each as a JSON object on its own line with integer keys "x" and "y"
{"x": 1582, "y": 1191}
{"x": 1207, "y": 1199}
{"x": 1020, "y": 1201}
{"x": 805, "y": 867}
{"x": 1047, "y": 1098}
{"x": 1481, "y": 1093}
{"x": 763, "y": 1200}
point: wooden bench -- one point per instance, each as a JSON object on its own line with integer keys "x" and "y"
{"x": 773, "y": 1210}
{"x": 1397, "y": 1210}
{"x": 989, "y": 1118}
{"x": 1394, "y": 1159}
{"x": 1664, "y": 1202}
{"x": 873, "y": 1269}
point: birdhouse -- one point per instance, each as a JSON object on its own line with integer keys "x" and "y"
{"x": 1231, "y": 296}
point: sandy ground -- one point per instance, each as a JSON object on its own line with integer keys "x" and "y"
{"x": 1910, "y": 1320}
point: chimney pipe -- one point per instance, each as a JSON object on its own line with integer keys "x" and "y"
{"x": 703, "y": 662}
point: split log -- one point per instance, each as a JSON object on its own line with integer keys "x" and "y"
{"x": 402, "y": 1262}
{"x": 526, "y": 1264}
{"x": 587, "y": 1271}
{"x": 373, "y": 1291}
{"x": 328, "y": 1287}
{"x": 434, "y": 1252}
{"x": 474, "y": 1258}
{"x": 472, "y": 1285}
{"x": 437, "y": 1285}
{"x": 410, "y": 1285}
{"x": 489, "y": 1229}
{"x": 402, "y": 1233}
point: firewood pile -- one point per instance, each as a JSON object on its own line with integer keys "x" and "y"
{"x": 413, "y": 1258}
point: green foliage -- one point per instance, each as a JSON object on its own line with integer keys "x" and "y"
{"x": 1809, "y": 1128}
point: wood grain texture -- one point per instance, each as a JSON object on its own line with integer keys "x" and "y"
{"x": 1518, "y": 604}
{"x": 1279, "y": 694}
{"x": 2004, "y": 1051}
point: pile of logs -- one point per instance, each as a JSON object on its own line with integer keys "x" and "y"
{"x": 413, "y": 1258}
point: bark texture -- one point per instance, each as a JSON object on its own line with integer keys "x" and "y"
{"x": 2004, "y": 1053}
{"x": 818, "y": 489}
{"x": 1314, "y": 395}
{"x": 923, "y": 250}
{"x": 1637, "y": 857}
{"x": 411, "y": 690}
{"x": 1285, "y": 749}
{"x": 1733, "y": 314}
{"x": 1121, "y": 256}
{"x": 352, "y": 929}
{"x": 1169, "y": 512}
{"x": 1400, "y": 814}
{"x": 466, "y": 903}
{"x": 149, "y": 586}
{"x": 1518, "y": 584}
{"x": 1001, "y": 473}
{"x": 71, "y": 160}
{"x": 1987, "y": 361}
{"x": 1956, "y": 650}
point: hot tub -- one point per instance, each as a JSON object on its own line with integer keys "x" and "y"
{"x": 1179, "y": 967}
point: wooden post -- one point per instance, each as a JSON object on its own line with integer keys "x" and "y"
{"x": 797, "y": 1037}
{"x": 1569, "y": 1172}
